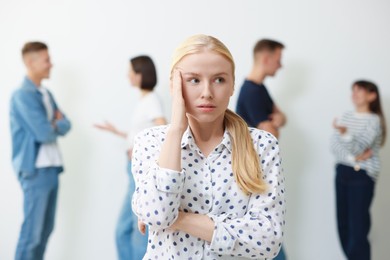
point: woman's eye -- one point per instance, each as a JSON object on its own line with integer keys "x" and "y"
{"x": 219, "y": 80}
{"x": 193, "y": 81}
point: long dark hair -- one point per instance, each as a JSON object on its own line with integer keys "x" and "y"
{"x": 144, "y": 64}
{"x": 375, "y": 106}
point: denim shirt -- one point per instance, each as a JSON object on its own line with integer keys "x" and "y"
{"x": 30, "y": 126}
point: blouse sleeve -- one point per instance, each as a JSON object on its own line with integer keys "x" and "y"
{"x": 259, "y": 233}
{"x": 156, "y": 199}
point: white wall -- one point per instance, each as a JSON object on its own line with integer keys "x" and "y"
{"x": 329, "y": 45}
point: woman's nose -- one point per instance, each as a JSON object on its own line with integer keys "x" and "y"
{"x": 206, "y": 91}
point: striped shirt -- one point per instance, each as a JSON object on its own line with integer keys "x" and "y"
{"x": 363, "y": 132}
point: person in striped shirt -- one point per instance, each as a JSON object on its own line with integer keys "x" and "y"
{"x": 356, "y": 142}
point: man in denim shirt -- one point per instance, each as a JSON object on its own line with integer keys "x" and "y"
{"x": 36, "y": 122}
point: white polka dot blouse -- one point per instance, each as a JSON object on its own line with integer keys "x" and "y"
{"x": 245, "y": 226}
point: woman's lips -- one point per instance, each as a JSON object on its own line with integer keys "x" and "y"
{"x": 206, "y": 107}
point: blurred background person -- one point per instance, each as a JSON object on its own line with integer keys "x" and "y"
{"x": 208, "y": 187}
{"x": 36, "y": 122}
{"x": 254, "y": 103}
{"x": 131, "y": 244}
{"x": 358, "y": 136}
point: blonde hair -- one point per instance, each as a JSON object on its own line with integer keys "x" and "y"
{"x": 245, "y": 160}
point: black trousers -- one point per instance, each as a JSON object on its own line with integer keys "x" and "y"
{"x": 354, "y": 194}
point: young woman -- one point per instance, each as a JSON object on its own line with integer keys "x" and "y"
{"x": 131, "y": 244}
{"x": 206, "y": 185}
{"x": 356, "y": 142}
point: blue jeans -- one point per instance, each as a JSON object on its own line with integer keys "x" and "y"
{"x": 130, "y": 243}
{"x": 281, "y": 255}
{"x": 354, "y": 194}
{"x": 40, "y": 200}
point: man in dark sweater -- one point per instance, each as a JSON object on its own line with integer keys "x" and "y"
{"x": 254, "y": 103}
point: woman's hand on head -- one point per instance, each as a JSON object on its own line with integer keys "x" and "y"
{"x": 170, "y": 153}
{"x": 179, "y": 119}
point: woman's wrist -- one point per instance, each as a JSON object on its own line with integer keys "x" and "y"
{"x": 176, "y": 130}
{"x": 176, "y": 224}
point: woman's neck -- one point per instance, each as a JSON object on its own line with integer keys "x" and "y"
{"x": 363, "y": 109}
{"x": 207, "y": 135}
{"x": 144, "y": 92}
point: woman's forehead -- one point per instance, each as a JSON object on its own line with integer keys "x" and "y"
{"x": 205, "y": 61}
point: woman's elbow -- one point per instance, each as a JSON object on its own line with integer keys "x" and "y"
{"x": 160, "y": 221}
{"x": 158, "y": 218}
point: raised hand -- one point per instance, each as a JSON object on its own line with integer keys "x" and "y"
{"x": 179, "y": 119}
{"x": 170, "y": 154}
{"x": 106, "y": 126}
{"x": 341, "y": 129}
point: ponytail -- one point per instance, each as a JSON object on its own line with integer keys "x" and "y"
{"x": 245, "y": 160}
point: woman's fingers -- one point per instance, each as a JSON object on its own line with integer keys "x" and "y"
{"x": 177, "y": 82}
{"x": 335, "y": 125}
{"x": 100, "y": 126}
{"x": 141, "y": 227}
{"x": 178, "y": 118}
